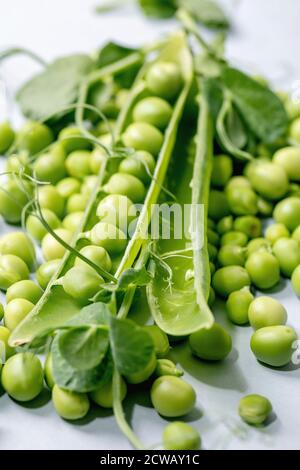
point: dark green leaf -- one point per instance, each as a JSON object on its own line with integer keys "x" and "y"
{"x": 94, "y": 314}
{"x": 260, "y": 108}
{"x": 132, "y": 347}
{"x": 84, "y": 347}
{"x": 207, "y": 12}
{"x": 54, "y": 88}
{"x": 82, "y": 381}
{"x": 158, "y": 8}
{"x": 236, "y": 129}
{"x": 130, "y": 277}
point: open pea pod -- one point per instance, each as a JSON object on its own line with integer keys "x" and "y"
{"x": 178, "y": 293}
{"x": 56, "y": 307}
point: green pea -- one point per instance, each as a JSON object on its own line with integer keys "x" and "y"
{"x": 118, "y": 210}
{"x": 12, "y": 269}
{"x": 289, "y": 159}
{"x": 34, "y": 137}
{"x": 126, "y": 185}
{"x": 153, "y": 110}
{"x": 77, "y": 203}
{"x": 49, "y": 168}
{"x": 78, "y": 163}
{"x": 103, "y": 127}
{"x": 26, "y": 289}
{"x": 266, "y": 311}
{"x": 241, "y": 201}
{"x": 276, "y": 231}
{"x": 167, "y": 367}
{"x": 213, "y": 237}
{"x": 211, "y": 224}
{"x": 141, "y": 165}
{"x": 237, "y": 306}
{"x": 294, "y": 190}
{"x": 265, "y": 208}
{"x": 211, "y": 344}
{"x": 18, "y": 163}
{"x": 70, "y": 405}
{"x": 238, "y": 182}
{"x": 258, "y": 244}
{"x": 13, "y": 199}
{"x": 232, "y": 255}
{"x": 212, "y": 252}
{"x": 225, "y": 225}
{"x": 296, "y": 280}
{"x": 287, "y": 252}
{"x": 212, "y": 268}
{"x": 160, "y": 340}
{"x": 48, "y": 371}
{"x": 22, "y": 376}
{"x": 89, "y": 184}
{"x": 274, "y": 345}
{"x": 212, "y": 296}
{"x": 181, "y": 436}
{"x": 164, "y": 79}
{"x": 46, "y": 271}
{"x": 269, "y": 180}
{"x": 53, "y": 249}
{"x": 4, "y": 338}
{"x": 292, "y": 107}
{"x": 7, "y": 137}
{"x": 254, "y": 409}
{"x": 263, "y": 269}
{"x": 35, "y": 227}
{"x": 218, "y": 206}
{"x": 109, "y": 237}
{"x": 18, "y": 244}
{"x": 81, "y": 282}
{"x": 68, "y": 186}
{"x": 287, "y": 212}
{"x": 234, "y": 238}
{"x": 249, "y": 225}
{"x": 72, "y": 221}
{"x": 103, "y": 396}
{"x": 143, "y": 136}
{"x": 15, "y": 311}
{"x": 97, "y": 254}
{"x": 72, "y": 139}
{"x": 222, "y": 170}
{"x": 295, "y": 131}
{"x": 172, "y": 397}
{"x": 229, "y": 279}
{"x": 49, "y": 198}
{"x": 145, "y": 374}
{"x": 98, "y": 159}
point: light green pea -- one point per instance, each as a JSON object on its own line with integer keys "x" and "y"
{"x": 160, "y": 340}
{"x": 294, "y": 132}
{"x": 12, "y": 269}
{"x": 218, "y": 206}
{"x": 118, "y": 210}
{"x": 276, "y": 231}
{"x": 263, "y": 269}
{"x": 4, "y": 338}
{"x": 229, "y": 279}
{"x": 18, "y": 244}
{"x": 145, "y": 374}
{"x": 68, "y": 186}
{"x": 48, "y": 371}
{"x": 72, "y": 139}
{"x": 241, "y": 201}
{"x": 77, "y": 203}
{"x": 98, "y": 159}
{"x": 15, "y": 311}
{"x": 13, "y": 199}
{"x": 258, "y": 244}
{"x": 234, "y": 238}
{"x": 211, "y": 344}
{"x": 70, "y": 405}
{"x": 269, "y": 180}
{"x": 143, "y": 136}
{"x": 52, "y": 248}
{"x": 82, "y": 282}
{"x": 254, "y": 409}
{"x": 287, "y": 252}
{"x": 287, "y": 212}
{"x": 97, "y": 255}
{"x": 89, "y": 184}
{"x": 103, "y": 396}
{"x": 164, "y": 79}
{"x": 49, "y": 198}
{"x": 289, "y": 159}
{"x": 181, "y": 436}
{"x": 72, "y": 221}
{"x": 249, "y": 225}
{"x": 237, "y": 306}
{"x": 49, "y": 168}
{"x": 126, "y": 185}
{"x": 141, "y": 165}
{"x": 7, "y": 136}
{"x": 153, "y": 110}
{"x": 172, "y": 397}
{"x": 222, "y": 170}
{"x": 46, "y": 271}
{"x": 25, "y": 289}
{"x": 34, "y": 137}
{"x": 274, "y": 345}
{"x": 232, "y": 255}
{"x": 225, "y": 225}
{"x": 35, "y": 227}
{"x": 78, "y": 163}
{"x": 109, "y": 237}
{"x": 266, "y": 311}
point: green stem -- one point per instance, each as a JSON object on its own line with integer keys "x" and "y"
{"x": 119, "y": 413}
{"x": 21, "y": 50}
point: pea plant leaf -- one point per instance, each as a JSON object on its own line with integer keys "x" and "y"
{"x": 129, "y": 278}
{"x": 132, "y": 347}
{"x": 259, "y": 107}
{"x": 83, "y": 381}
{"x": 54, "y": 88}
{"x": 158, "y": 8}
{"x": 94, "y": 314}
{"x": 84, "y": 347}
{"x": 207, "y": 12}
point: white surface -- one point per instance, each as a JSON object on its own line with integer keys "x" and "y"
{"x": 265, "y": 39}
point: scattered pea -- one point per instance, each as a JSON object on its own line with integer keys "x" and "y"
{"x": 254, "y": 409}
{"x": 274, "y": 345}
{"x": 212, "y": 344}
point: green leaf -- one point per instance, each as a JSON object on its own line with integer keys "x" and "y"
{"x": 132, "y": 347}
{"x": 236, "y": 129}
{"x": 158, "y": 8}
{"x": 260, "y": 108}
{"x": 82, "y": 381}
{"x": 56, "y": 87}
{"x": 94, "y": 314}
{"x": 84, "y": 347}
{"x": 207, "y": 12}
{"x": 129, "y": 278}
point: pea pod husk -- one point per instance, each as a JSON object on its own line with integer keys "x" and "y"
{"x": 55, "y": 307}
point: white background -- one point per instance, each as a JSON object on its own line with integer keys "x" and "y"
{"x": 265, "y": 39}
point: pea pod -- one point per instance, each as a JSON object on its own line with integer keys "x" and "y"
{"x": 56, "y": 306}
{"x": 183, "y": 309}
